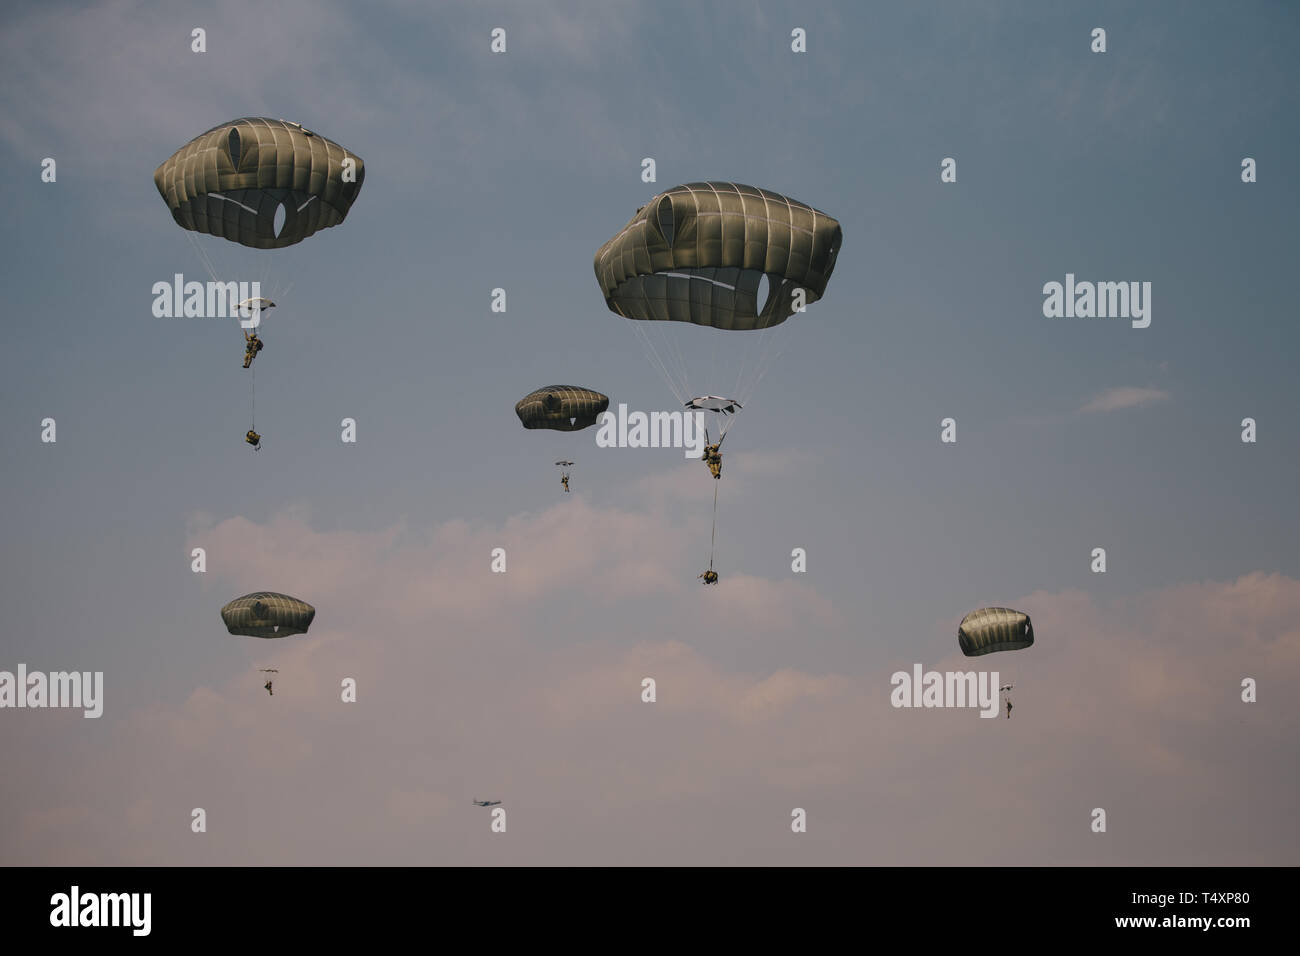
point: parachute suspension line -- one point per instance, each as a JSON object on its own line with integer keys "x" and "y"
{"x": 237, "y": 264}
{"x": 670, "y": 334}
{"x": 673, "y": 336}
{"x": 758, "y": 351}
{"x": 724, "y": 425}
{"x": 766, "y": 359}
{"x": 743, "y": 373}
{"x": 757, "y": 361}
{"x": 714, "y": 539}
{"x": 745, "y": 349}
{"x": 657, "y": 360}
{"x": 713, "y": 372}
{"x": 648, "y": 349}
{"x": 757, "y": 345}
{"x": 273, "y": 284}
{"x": 203, "y": 256}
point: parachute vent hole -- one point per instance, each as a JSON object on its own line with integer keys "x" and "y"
{"x": 234, "y": 146}
{"x": 664, "y": 216}
{"x": 762, "y": 294}
{"x": 277, "y": 224}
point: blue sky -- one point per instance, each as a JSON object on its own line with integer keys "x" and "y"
{"x": 509, "y": 171}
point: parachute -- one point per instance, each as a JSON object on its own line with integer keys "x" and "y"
{"x": 236, "y": 180}
{"x": 564, "y": 408}
{"x": 724, "y": 256}
{"x": 730, "y": 258}
{"x": 698, "y": 253}
{"x": 267, "y": 614}
{"x": 262, "y": 184}
{"x": 721, "y": 412}
{"x": 993, "y": 629}
{"x": 715, "y": 403}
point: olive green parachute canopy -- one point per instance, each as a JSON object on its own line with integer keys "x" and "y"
{"x": 267, "y": 614}
{"x": 992, "y": 629}
{"x": 230, "y": 181}
{"x": 564, "y": 408}
{"x": 697, "y": 253}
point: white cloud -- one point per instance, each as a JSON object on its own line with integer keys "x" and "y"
{"x": 527, "y": 687}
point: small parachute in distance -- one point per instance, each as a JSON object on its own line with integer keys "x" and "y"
{"x": 267, "y": 686}
{"x": 267, "y": 614}
{"x": 565, "y": 408}
{"x": 564, "y": 467}
{"x": 234, "y": 180}
{"x": 993, "y": 629}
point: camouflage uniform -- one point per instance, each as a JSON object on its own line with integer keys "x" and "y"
{"x": 713, "y": 458}
{"x": 251, "y": 349}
